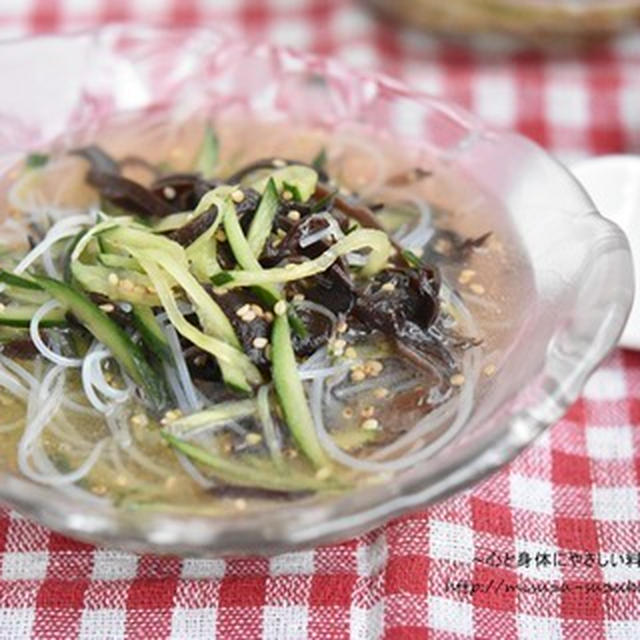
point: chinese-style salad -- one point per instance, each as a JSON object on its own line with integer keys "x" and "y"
{"x": 253, "y": 335}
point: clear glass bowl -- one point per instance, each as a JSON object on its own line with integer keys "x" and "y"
{"x": 543, "y": 21}
{"x": 562, "y": 277}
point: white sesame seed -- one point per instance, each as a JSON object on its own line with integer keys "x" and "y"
{"x": 287, "y": 195}
{"x": 107, "y": 308}
{"x": 293, "y": 215}
{"x": 169, "y": 193}
{"x": 358, "y": 375}
{"x": 351, "y": 353}
{"x": 2, "y": 307}
{"x": 298, "y": 297}
{"x": 113, "y": 279}
{"x": 347, "y": 413}
{"x": 139, "y": 420}
{"x": 280, "y": 308}
{"x": 240, "y": 504}
{"x": 278, "y": 163}
{"x": 342, "y": 327}
{"x": 244, "y": 309}
{"x": 381, "y": 392}
{"x": 370, "y": 424}
{"x": 340, "y": 343}
{"x": 466, "y": 276}
{"x": 367, "y": 412}
{"x": 323, "y": 473}
{"x": 388, "y": 286}
{"x": 237, "y": 196}
{"x": 260, "y": 342}
{"x": 457, "y": 380}
{"x": 489, "y": 370}
{"x": 477, "y": 288}
{"x": 250, "y": 316}
{"x": 253, "y": 438}
{"x": 221, "y": 236}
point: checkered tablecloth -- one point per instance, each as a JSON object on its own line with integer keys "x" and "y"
{"x": 547, "y": 548}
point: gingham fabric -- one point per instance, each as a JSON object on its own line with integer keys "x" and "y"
{"x": 547, "y": 548}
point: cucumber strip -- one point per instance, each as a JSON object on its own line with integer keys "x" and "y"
{"x": 363, "y": 238}
{"x": 201, "y": 253}
{"x": 20, "y": 282}
{"x": 215, "y": 415}
{"x": 304, "y": 179}
{"x": 238, "y": 370}
{"x": 237, "y": 473}
{"x": 262, "y": 222}
{"x": 105, "y": 330}
{"x": 68, "y": 275}
{"x": 291, "y": 394}
{"x": 115, "y": 261}
{"x": 211, "y": 316}
{"x": 105, "y": 225}
{"x": 128, "y": 237}
{"x": 247, "y": 260}
{"x": 21, "y": 316}
{"x": 95, "y": 278}
{"x": 207, "y": 157}
{"x": 151, "y": 333}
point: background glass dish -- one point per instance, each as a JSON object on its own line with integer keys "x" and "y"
{"x": 567, "y": 289}
{"x": 544, "y": 21}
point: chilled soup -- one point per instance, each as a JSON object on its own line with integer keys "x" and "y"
{"x": 244, "y": 317}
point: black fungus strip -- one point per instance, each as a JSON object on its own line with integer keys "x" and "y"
{"x": 20, "y": 349}
{"x": 129, "y": 195}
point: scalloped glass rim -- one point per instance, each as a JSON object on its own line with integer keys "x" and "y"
{"x": 602, "y": 284}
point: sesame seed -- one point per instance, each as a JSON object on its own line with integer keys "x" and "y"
{"x": 293, "y": 215}
{"x": 347, "y": 413}
{"x": 342, "y": 327}
{"x": 388, "y": 286}
{"x": 373, "y": 367}
{"x": 121, "y": 481}
{"x": 323, "y": 473}
{"x": 260, "y": 342}
{"x": 245, "y": 308}
{"x": 381, "y": 392}
{"x": 298, "y": 297}
{"x": 200, "y": 361}
{"x": 276, "y": 243}
{"x": 477, "y": 288}
{"x": 113, "y": 279}
{"x": 126, "y": 285}
{"x": 2, "y": 307}
{"x": 466, "y": 275}
{"x": 358, "y": 375}
{"x": 287, "y": 195}
{"x": 418, "y": 252}
{"x": 139, "y": 420}
{"x": 489, "y": 370}
{"x": 340, "y": 343}
{"x": 99, "y": 489}
{"x": 457, "y": 380}
{"x": 371, "y": 424}
{"x": 291, "y": 453}
{"x": 278, "y": 163}
{"x": 280, "y": 308}
{"x": 253, "y": 438}
{"x": 240, "y": 504}
{"x": 250, "y": 316}
{"x": 221, "y": 236}
{"x": 169, "y": 416}
{"x": 281, "y": 233}
{"x": 169, "y": 193}
{"x": 351, "y": 353}
{"x": 290, "y": 266}
{"x": 237, "y": 196}
{"x": 170, "y": 482}
{"x": 219, "y": 291}
{"x": 367, "y": 412}
{"x": 257, "y": 309}
{"x": 268, "y": 316}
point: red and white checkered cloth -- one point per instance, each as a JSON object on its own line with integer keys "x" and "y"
{"x": 547, "y": 548}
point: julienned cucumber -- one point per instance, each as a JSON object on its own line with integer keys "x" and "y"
{"x": 20, "y": 316}
{"x": 291, "y": 394}
{"x": 262, "y": 222}
{"x": 244, "y": 474}
{"x": 105, "y": 330}
{"x": 151, "y": 333}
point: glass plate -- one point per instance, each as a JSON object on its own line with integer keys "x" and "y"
{"x": 559, "y": 278}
